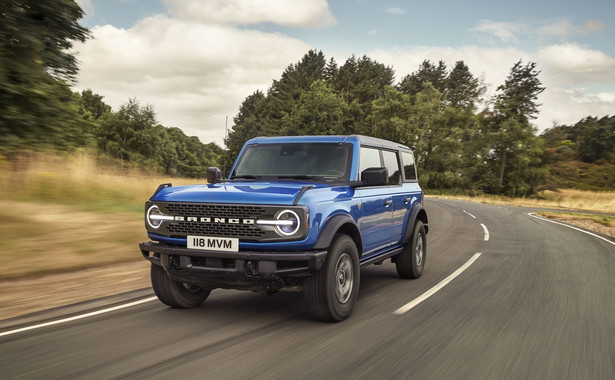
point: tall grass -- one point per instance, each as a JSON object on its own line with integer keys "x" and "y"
{"x": 78, "y": 180}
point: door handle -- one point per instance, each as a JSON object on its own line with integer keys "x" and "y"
{"x": 388, "y": 202}
{"x": 407, "y": 199}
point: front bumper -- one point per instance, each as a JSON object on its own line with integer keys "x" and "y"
{"x": 249, "y": 270}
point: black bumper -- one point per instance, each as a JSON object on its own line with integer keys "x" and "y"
{"x": 251, "y": 270}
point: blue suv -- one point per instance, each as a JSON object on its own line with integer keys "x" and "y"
{"x": 299, "y": 213}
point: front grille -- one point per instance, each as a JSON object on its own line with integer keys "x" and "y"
{"x": 240, "y": 231}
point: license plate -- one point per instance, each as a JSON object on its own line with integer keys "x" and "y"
{"x": 212, "y": 243}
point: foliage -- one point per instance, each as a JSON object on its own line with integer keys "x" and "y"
{"x": 582, "y": 155}
{"x": 433, "y": 110}
{"x": 35, "y": 64}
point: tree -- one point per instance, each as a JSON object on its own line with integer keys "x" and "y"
{"x": 462, "y": 89}
{"x": 413, "y": 83}
{"x": 319, "y": 111}
{"x": 129, "y": 133}
{"x": 597, "y": 139}
{"x": 35, "y": 62}
{"x": 518, "y": 95}
{"x": 514, "y": 106}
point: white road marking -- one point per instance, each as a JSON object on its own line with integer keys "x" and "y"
{"x": 410, "y": 305}
{"x": 77, "y": 317}
{"x": 469, "y": 214}
{"x": 533, "y": 215}
{"x": 486, "y": 238}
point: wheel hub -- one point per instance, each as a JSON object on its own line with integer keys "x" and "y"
{"x": 345, "y": 278}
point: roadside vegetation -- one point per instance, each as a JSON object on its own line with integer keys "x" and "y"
{"x": 64, "y": 213}
{"x": 75, "y": 172}
{"x": 603, "y": 224}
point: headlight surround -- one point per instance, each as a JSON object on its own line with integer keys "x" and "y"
{"x": 154, "y": 217}
{"x": 289, "y": 223}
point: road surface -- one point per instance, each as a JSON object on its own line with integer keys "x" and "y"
{"x": 537, "y": 303}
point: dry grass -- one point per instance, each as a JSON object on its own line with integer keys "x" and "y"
{"x": 61, "y": 214}
{"x": 564, "y": 199}
{"x": 79, "y": 181}
{"x": 41, "y": 238}
{"x": 604, "y": 224}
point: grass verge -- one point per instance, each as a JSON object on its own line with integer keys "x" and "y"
{"x": 604, "y": 224}
{"x": 564, "y": 199}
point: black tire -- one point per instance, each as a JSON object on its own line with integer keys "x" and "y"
{"x": 176, "y": 294}
{"x": 330, "y": 294}
{"x": 411, "y": 261}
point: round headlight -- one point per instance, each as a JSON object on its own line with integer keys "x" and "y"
{"x": 291, "y": 223}
{"x": 154, "y": 217}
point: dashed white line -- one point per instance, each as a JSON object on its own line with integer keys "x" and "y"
{"x": 77, "y": 317}
{"x": 569, "y": 226}
{"x": 486, "y": 238}
{"x": 469, "y": 214}
{"x": 410, "y": 305}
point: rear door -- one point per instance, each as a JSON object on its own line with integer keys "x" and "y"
{"x": 399, "y": 195}
{"x": 376, "y": 207}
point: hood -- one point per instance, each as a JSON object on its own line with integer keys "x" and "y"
{"x": 269, "y": 193}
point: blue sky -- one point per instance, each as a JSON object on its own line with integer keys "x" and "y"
{"x": 195, "y": 61}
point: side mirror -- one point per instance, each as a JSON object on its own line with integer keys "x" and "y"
{"x": 213, "y": 175}
{"x": 375, "y": 176}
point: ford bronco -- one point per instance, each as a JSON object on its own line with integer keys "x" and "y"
{"x": 300, "y": 213}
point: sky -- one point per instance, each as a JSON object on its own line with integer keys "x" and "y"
{"x": 195, "y": 61}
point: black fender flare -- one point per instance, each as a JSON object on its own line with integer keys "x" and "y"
{"x": 416, "y": 213}
{"x": 346, "y": 224}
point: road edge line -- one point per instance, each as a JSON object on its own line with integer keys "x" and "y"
{"x": 533, "y": 215}
{"x": 77, "y": 317}
{"x": 410, "y": 305}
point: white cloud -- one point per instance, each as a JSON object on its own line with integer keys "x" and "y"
{"x": 577, "y": 63}
{"x": 293, "y": 13}
{"x": 560, "y": 28}
{"x": 504, "y": 31}
{"x": 396, "y": 11}
{"x": 594, "y": 26}
{"x": 193, "y": 74}
{"x": 511, "y": 32}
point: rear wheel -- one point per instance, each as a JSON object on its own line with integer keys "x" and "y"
{"x": 411, "y": 261}
{"x": 176, "y": 294}
{"x": 330, "y": 294}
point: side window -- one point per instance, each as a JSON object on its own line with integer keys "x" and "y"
{"x": 409, "y": 169}
{"x": 392, "y": 164}
{"x": 369, "y": 158}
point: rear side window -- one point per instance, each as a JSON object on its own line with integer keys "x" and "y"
{"x": 409, "y": 167}
{"x": 392, "y": 164}
{"x": 370, "y": 158}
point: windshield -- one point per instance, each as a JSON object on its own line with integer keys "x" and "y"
{"x": 311, "y": 161}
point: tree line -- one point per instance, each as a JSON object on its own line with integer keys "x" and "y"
{"x": 434, "y": 110}
{"x": 41, "y": 112}
{"x": 463, "y": 141}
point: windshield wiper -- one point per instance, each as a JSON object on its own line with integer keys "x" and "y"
{"x": 303, "y": 177}
{"x": 247, "y": 176}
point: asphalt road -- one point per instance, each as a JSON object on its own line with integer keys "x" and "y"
{"x": 538, "y": 303}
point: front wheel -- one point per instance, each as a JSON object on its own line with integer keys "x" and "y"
{"x": 176, "y": 294}
{"x": 411, "y": 261}
{"x": 330, "y": 294}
